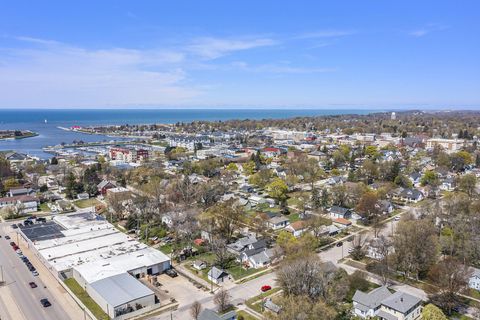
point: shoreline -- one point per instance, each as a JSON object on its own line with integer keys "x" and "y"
{"x": 30, "y": 134}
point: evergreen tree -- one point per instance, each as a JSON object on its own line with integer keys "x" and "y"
{"x": 316, "y": 201}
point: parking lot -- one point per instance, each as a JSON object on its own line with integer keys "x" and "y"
{"x": 179, "y": 288}
{"x": 20, "y": 300}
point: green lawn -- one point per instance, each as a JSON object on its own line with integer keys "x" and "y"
{"x": 292, "y": 217}
{"x": 81, "y": 294}
{"x": 44, "y": 207}
{"x": 244, "y": 315}
{"x": 255, "y": 302}
{"x": 87, "y": 203}
{"x": 167, "y": 249}
{"x": 237, "y": 272}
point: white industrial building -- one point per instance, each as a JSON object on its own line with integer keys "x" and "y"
{"x": 120, "y": 294}
{"x": 104, "y": 261}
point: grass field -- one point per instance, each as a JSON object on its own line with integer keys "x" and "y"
{"x": 87, "y": 203}
{"x": 73, "y": 285}
{"x": 245, "y": 316}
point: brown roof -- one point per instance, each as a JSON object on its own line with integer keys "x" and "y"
{"x": 298, "y": 225}
{"x": 342, "y": 221}
{"x": 19, "y": 198}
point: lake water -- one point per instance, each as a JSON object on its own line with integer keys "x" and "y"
{"x": 50, "y": 135}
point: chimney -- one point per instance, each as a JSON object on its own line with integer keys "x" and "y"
{"x": 401, "y": 299}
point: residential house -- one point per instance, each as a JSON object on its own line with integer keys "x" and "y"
{"x": 271, "y": 152}
{"x": 14, "y": 192}
{"x": 104, "y": 185}
{"x": 269, "y": 305}
{"x": 208, "y": 314}
{"x": 257, "y": 258}
{"x": 242, "y": 244}
{"x": 340, "y": 212}
{"x": 367, "y": 305}
{"x": 83, "y": 196}
{"x": 411, "y": 195}
{"x": 217, "y": 275}
{"x": 199, "y": 265}
{"x": 297, "y": 228}
{"x": 385, "y": 206}
{"x": 336, "y": 180}
{"x": 400, "y": 306}
{"x": 384, "y": 305}
{"x": 342, "y": 223}
{"x": 24, "y": 204}
{"x": 278, "y": 222}
{"x": 317, "y": 155}
{"x": 415, "y": 178}
{"x": 448, "y": 184}
{"x": 474, "y": 281}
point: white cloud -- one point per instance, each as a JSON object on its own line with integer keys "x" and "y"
{"x": 429, "y": 28}
{"x": 57, "y": 75}
{"x": 212, "y": 48}
{"x": 326, "y": 34}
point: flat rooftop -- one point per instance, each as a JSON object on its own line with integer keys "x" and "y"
{"x": 99, "y": 269}
{"x": 42, "y": 231}
{"x": 84, "y": 239}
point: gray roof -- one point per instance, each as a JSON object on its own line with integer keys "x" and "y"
{"x": 372, "y": 299}
{"x": 268, "y": 304}
{"x": 241, "y": 243}
{"x": 401, "y": 301}
{"x": 278, "y": 219}
{"x": 216, "y": 273}
{"x": 261, "y": 257}
{"x": 475, "y": 272}
{"x": 411, "y": 194}
{"x": 208, "y": 314}
{"x": 386, "y": 315}
{"x": 120, "y": 289}
{"x": 338, "y": 210}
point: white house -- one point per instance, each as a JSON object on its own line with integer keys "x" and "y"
{"x": 384, "y": 305}
{"x": 278, "y": 222}
{"x": 474, "y": 281}
{"x": 217, "y": 275}
{"x": 297, "y": 228}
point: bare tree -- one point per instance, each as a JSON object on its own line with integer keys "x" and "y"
{"x": 222, "y": 256}
{"x": 451, "y": 278}
{"x": 304, "y": 276}
{"x": 195, "y": 310}
{"x": 359, "y": 242}
{"x": 222, "y": 300}
{"x": 382, "y": 246}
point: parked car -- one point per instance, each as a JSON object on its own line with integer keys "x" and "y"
{"x": 14, "y": 226}
{"x": 265, "y": 288}
{"x": 35, "y": 273}
{"x": 32, "y": 285}
{"x": 172, "y": 273}
{"x": 7, "y": 237}
{"x": 45, "y": 303}
{"x": 339, "y": 244}
{"x": 397, "y": 218}
{"x": 12, "y": 243}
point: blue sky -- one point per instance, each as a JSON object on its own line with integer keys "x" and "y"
{"x": 308, "y": 54}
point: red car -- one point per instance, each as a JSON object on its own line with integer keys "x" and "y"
{"x": 265, "y": 288}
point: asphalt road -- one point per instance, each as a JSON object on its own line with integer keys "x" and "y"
{"x": 16, "y": 290}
